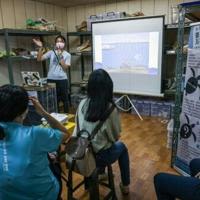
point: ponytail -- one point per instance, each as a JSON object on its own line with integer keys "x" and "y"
{"x": 2, "y": 133}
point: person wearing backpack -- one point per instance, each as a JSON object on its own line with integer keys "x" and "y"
{"x": 24, "y": 167}
{"x": 94, "y": 109}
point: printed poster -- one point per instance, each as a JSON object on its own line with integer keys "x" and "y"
{"x": 189, "y": 133}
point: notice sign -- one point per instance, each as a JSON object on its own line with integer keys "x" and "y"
{"x": 196, "y": 36}
{"x": 189, "y": 134}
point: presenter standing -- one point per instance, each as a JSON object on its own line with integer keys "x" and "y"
{"x": 60, "y": 60}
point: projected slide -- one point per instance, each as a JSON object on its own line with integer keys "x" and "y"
{"x": 130, "y": 50}
{"x": 127, "y": 53}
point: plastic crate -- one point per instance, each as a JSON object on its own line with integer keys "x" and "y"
{"x": 143, "y": 107}
{"x": 161, "y": 109}
{"x": 76, "y": 99}
{"x": 113, "y": 15}
{"x": 48, "y": 99}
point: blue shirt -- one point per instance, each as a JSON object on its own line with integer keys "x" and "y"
{"x": 56, "y": 72}
{"x": 24, "y": 166}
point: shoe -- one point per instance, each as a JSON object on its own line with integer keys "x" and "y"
{"x": 138, "y": 14}
{"x": 83, "y": 46}
{"x": 124, "y": 189}
{"x": 82, "y": 27}
{"x": 88, "y": 49}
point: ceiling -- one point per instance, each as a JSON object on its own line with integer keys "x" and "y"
{"x": 68, "y": 3}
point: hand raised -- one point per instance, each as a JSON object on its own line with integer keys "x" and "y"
{"x": 38, "y": 42}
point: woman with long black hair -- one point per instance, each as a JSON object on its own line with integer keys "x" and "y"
{"x": 106, "y": 143}
{"x": 24, "y": 166}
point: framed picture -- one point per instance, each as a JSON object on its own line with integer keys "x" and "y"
{"x": 31, "y": 78}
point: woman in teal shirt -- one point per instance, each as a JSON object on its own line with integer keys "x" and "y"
{"x": 24, "y": 166}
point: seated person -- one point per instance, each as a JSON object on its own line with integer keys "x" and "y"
{"x": 24, "y": 166}
{"x": 105, "y": 143}
{"x": 170, "y": 187}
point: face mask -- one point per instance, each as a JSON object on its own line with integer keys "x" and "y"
{"x": 60, "y": 45}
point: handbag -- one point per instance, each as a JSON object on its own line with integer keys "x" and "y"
{"x": 79, "y": 152}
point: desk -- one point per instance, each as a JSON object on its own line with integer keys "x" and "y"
{"x": 70, "y": 127}
{"x": 71, "y": 117}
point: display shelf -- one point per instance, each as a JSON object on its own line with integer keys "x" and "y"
{"x": 186, "y": 10}
{"x": 83, "y": 56}
{"x": 170, "y": 92}
{"x": 27, "y": 32}
{"x": 175, "y": 26}
{"x": 19, "y": 58}
{"x": 7, "y": 33}
{"x": 86, "y": 33}
{"x": 86, "y": 53}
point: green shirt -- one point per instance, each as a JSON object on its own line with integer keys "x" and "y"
{"x": 108, "y": 133}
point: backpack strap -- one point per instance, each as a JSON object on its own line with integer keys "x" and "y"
{"x": 96, "y": 129}
{"x": 99, "y": 125}
{"x": 56, "y": 57}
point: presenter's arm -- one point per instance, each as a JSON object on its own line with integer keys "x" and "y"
{"x": 40, "y": 51}
{"x": 64, "y": 65}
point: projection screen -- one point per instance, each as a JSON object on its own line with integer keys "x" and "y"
{"x": 130, "y": 50}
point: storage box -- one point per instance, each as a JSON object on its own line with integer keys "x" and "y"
{"x": 113, "y": 15}
{"x": 48, "y": 99}
{"x": 46, "y": 95}
{"x": 104, "y": 16}
{"x": 143, "y": 107}
{"x": 93, "y": 18}
{"x": 160, "y": 109}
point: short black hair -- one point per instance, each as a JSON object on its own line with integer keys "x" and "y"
{"x": 13, "y": 101}
{"x": 61, "y": 37}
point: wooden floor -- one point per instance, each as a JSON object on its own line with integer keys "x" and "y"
{"x": 146, "y": 142}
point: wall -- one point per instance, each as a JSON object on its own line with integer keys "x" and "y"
{"x": 148, "y": 7}
{"x": 13, "y": 14}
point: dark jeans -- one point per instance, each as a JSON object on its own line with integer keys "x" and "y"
{"x": 56, "y": 170}
{"x": 169, "y": 187}
{"x": 62, "y": 93}
{"x": 117, "y": 151}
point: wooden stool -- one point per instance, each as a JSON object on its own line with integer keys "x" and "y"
{"x": 92, "y": 185}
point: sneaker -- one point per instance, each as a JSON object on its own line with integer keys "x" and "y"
{"x": 82, "y": 27}
{"x": 124, "y": 189}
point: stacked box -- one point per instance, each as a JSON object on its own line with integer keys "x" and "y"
{"x": 113, "y": 15}
{"x": 104, "y": 16}
{"x": 143, "y": 107}
{"x": 155, "y": 106}
{"x": 165, "y": 110}
{"x": 93, "y": 18}
{"x": 48, "y": 99}
{"x": 160, "y": 109}
{"x": 76, "y": 99}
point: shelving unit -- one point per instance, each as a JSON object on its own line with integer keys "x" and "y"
{"x": 191, "y": 11}
{"x": 170, "y": 54}
{"x": 7, "y": 33}
{"x": 83, "y": 55}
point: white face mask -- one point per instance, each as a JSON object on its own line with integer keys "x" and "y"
{"x": 60, "y": 45}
